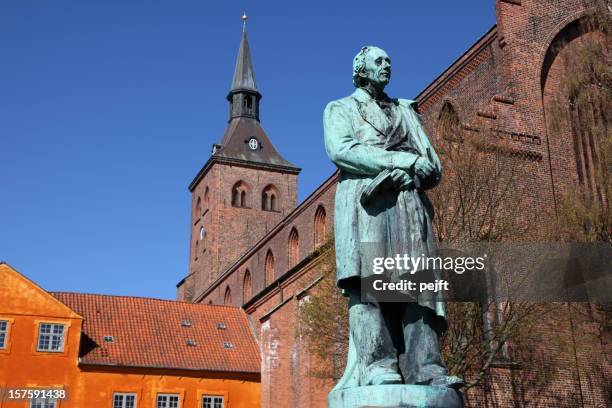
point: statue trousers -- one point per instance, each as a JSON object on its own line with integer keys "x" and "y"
{"x": 397, "y": 338}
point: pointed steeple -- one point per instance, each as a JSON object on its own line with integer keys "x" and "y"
{"x": 244, "y": 76}
{"x": 244, "y": 96}
{"x": 244, "y": 140}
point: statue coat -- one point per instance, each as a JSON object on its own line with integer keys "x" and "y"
{"x": 363, "y": 141}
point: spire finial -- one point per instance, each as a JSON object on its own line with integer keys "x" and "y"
{"x": 244, "y": 20}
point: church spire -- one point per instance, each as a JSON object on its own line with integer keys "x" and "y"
{"x": 244, "y": 96}
{"x": 244, "y": 140}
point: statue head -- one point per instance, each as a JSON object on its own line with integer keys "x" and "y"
{"x": 373, "y": 65}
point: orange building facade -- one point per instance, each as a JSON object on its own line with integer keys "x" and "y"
{"x": 122, "y": 352}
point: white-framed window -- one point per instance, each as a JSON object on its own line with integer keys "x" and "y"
{"x": 4, "y": 326}
{"x": 213, "y": 401}
{"x": 124, "y": 400}
{"x": 43, "y": 403}
{"x": 168, "y": 401}
{"x": 51, "y": 337}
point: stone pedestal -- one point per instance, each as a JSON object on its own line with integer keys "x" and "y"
{"x": 395, "y": 396}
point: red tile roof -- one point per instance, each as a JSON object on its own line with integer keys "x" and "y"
{"x": 148, "y": 333}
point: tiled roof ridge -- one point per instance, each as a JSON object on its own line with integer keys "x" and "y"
{"x": 162, "y": 367}
{"x": 144, "y": 298}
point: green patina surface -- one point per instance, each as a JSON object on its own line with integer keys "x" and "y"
{"x": 386, "y": 164}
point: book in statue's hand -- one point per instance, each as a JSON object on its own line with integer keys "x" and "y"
{"x": 381, "y": 183}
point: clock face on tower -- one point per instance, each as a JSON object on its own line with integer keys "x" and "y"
{"x": 253, "y": 143}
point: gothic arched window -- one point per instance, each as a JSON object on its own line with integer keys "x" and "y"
{"x": 449, "y": 125}
{"x": 247, "y": 288}
{"x": 269, "y": 267}
{"x": 320, "y": 220}
{"x": 577, "y": 104}
{"x": 227, "y": 298}
{"x": 586, "y": 120}
{"x": 294, "y": 247}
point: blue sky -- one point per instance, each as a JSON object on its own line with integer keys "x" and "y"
{"x": 109, "y": 108}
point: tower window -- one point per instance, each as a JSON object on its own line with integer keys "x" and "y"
{"x": 206, "y": 198}
{"x": 235, "y": 197}
{"x": 265, "y": 202}
{"x": 198, "y": 208}
{"x": 240, "y": 195}
{"x": 269, "y": 198}
{"x": 247, "y": 103}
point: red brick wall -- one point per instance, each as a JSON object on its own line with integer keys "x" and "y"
{"x": 230, "y": 230}
{"x": 496, "y": 85}
{"x": 276, "y": 239}
{"x": 273, "y": 308}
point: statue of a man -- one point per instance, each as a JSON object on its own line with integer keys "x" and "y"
{"x": 379, "y": 141}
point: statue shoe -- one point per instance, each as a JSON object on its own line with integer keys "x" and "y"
{"x": 385, "y": 378}
{"x": 449, "y": 381}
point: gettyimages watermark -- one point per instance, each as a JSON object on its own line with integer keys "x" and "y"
{"x": 413, "y": 264}
{"x": 538, "y": 272}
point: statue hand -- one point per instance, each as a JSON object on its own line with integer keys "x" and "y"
{"x": 401, "y": 179}
{"x": 423, "y": 168}
{"x": 431, "y": 181}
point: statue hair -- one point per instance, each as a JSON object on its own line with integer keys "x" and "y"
{"x": 359, "y": 63}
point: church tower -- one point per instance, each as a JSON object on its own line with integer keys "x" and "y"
{"x": 245, "y": 188}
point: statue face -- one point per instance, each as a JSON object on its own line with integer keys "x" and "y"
{"x": 377, "y": 67}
